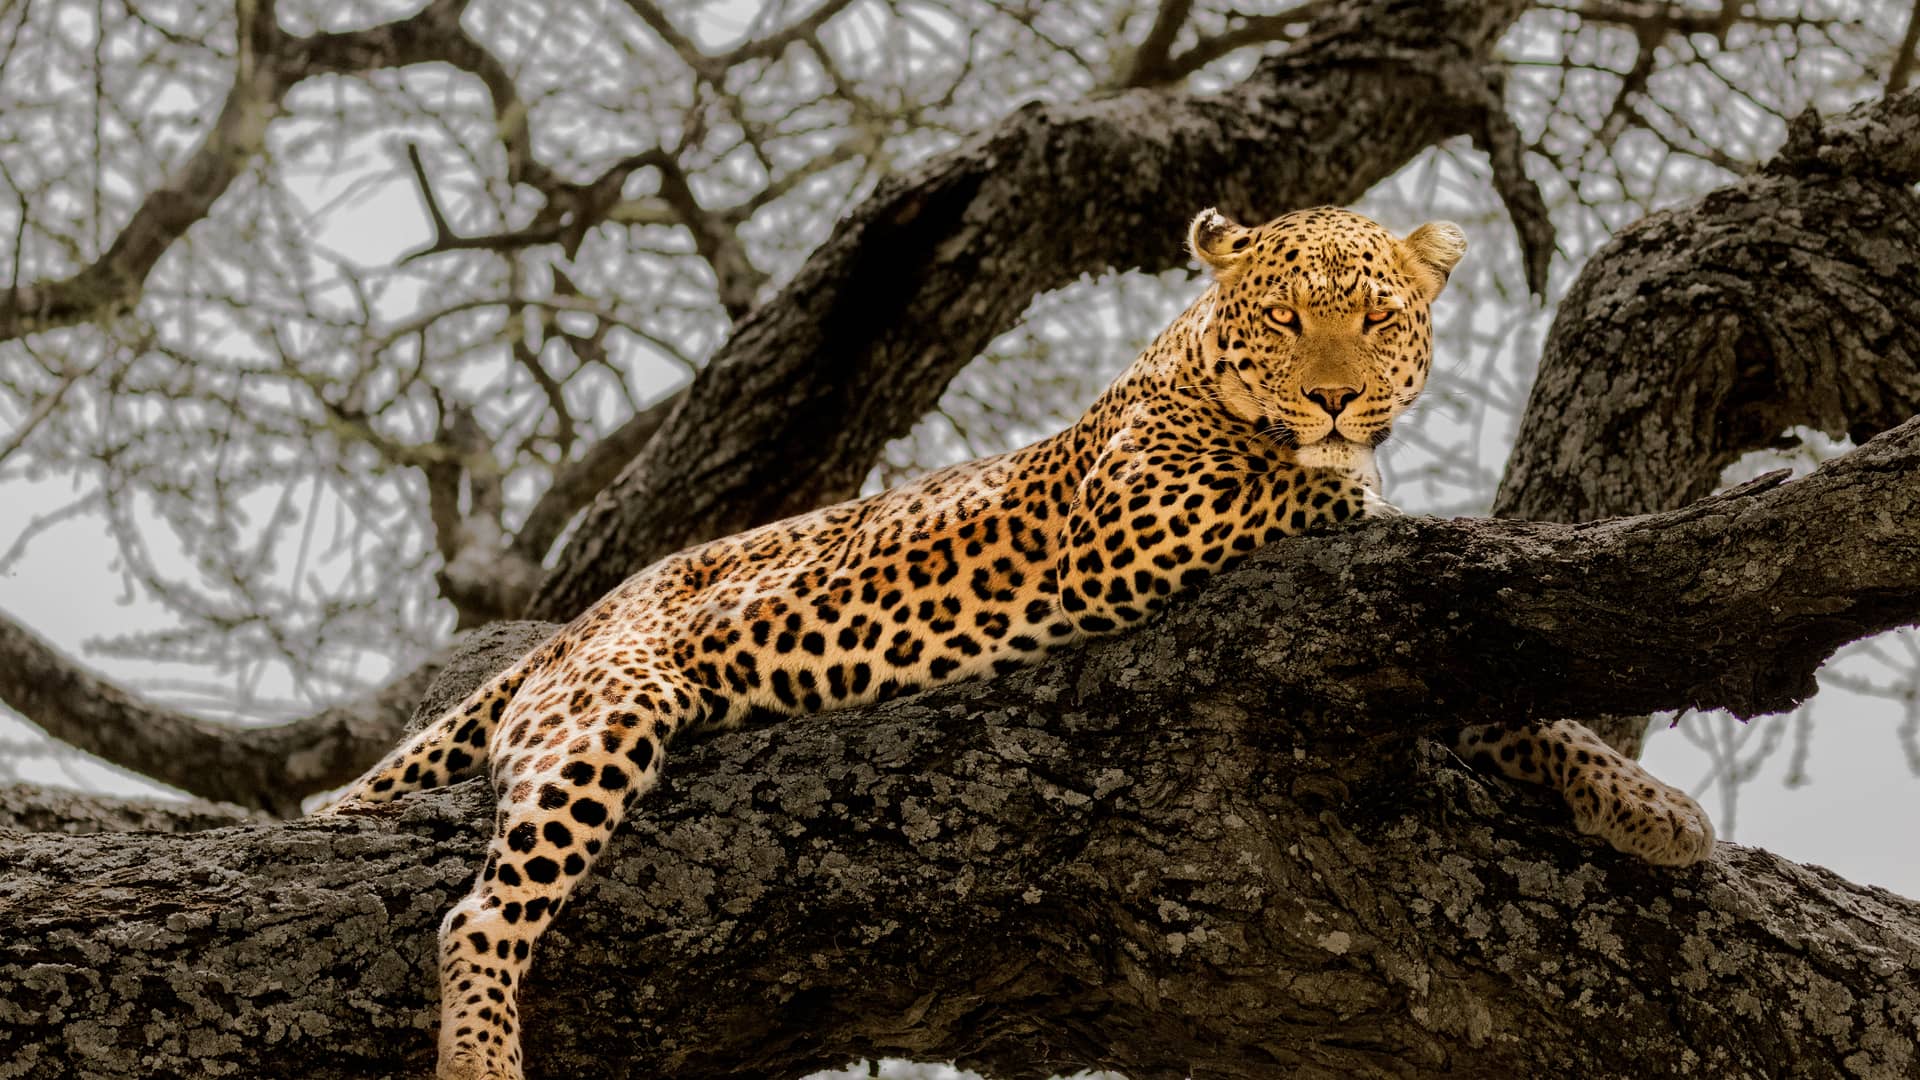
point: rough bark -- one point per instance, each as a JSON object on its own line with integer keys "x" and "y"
{"x": 1700, "y": 334}
{"x": 31, "y": 808}
{"x": 1216, "y": 847}
{"x": 1703, "y": 333}
{"x": 795, "y": 408}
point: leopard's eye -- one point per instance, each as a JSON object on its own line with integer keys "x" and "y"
{"x": 1284, "y": 318}
{"x": 1375, "y": 318}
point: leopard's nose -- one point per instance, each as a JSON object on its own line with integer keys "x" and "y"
{"x": 1332, "y": 398}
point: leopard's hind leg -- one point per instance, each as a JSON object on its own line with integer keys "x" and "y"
{"x": 564, "y": 769}
{"x": 446, "y": 751}
{"x": 1611, "y": 795}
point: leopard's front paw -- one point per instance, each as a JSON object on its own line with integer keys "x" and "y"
{"x": 1641, "y": 816}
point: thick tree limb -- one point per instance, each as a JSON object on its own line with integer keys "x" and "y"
{"x": 1697, "y": 335}
{"x": 1210, "y": 848}
{"x": 795, "y": 408}
{"x": 31, "y": 808}
{"x": 1707, "y": 332}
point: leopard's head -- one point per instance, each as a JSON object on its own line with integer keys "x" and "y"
{"x": 1320, "y": 332}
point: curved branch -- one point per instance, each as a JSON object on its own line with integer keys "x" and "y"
{"x": 1697, "y": 335}
{"x": 575, "y": 483}
{"x": 1149, "y": 63}
{"x": 795, "y": 408}
{"x": 266, "y": 768}
{"x": 112, "y": 282}
{"x": 1707, "y": 332}
{"x": 1214, "y": 847}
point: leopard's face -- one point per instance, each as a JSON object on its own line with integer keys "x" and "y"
{"x": 1320, "y": 333}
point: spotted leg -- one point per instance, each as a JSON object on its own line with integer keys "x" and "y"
{"x": 1611, "y": 795}
{"x": 565, "y": 772}
{"x": 450, "y": 749}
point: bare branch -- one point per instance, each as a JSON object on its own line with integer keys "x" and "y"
{"x": 572, "y": 210}
{"x": 1506, "y": 147}
{"x": 713, "y": 66}
{"x": 575, "y": 484}
{"x": 1903, "y": 60}
{"x": 1149, "y": 64}
{"x": 267, "y": 768}
{"x": 1250, "y": 30}
{"x": 271, "y": 63}
{"x": 738, "y": 279}
{"x": 1654, "y": 20}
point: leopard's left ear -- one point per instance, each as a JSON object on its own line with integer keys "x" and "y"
{"x": 1433, "y": 250}
{"x": 1215, "y": 239}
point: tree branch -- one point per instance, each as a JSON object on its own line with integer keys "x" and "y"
{"x": 1149, "y": 64}
{"x": 1500, "y": 138}
{"x": 574, "y": 485}
{"x": 31, "y": 808}
{"x": 1902, "y": 69}
{"x": 795, "y": 408}
{"x": 1248, "y": 30}
{"x": 713, "y": 66}
{"x": 271, "y": 62}
{"x": 1710, "y": 331}
{"x": 487, "y": 581}
{"x": 267, "y": 768}
{"x": 1697, "y": 335}
{"x": 1214, "y": 847}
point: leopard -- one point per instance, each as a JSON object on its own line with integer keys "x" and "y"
{"x": 1254, "y": 416}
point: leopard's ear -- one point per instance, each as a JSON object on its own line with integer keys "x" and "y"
{"x": 1217, "y": 241}
{"x": 1432, "y": 251}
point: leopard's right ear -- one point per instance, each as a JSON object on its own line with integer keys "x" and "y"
{"x": 1216, "y": 240}
{"x": 1432, "y": 251}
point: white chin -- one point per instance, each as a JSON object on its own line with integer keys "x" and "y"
{"x": 1334, "y": 452}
